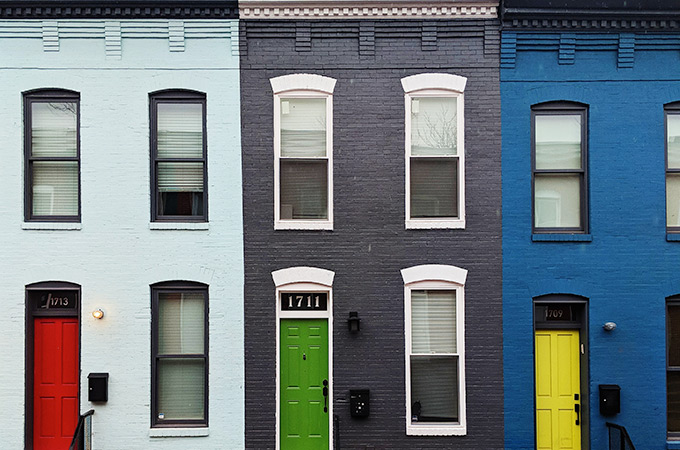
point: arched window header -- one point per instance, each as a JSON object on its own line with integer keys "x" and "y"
{"x": 303, "y": 275}
{"x": 302, "y": 82}
{"x": 434, "y": 272}
{"x": 559, "y": 105}
{"x": 177, "y": 93}
{"x": 444, "y": 81}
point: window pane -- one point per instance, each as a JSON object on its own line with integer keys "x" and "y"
{"x": 433, "y": 322}
{"x": 673, "y": 200}
{"x": 434, "y": 187}
{"x": 181, "y": 189}
{"x": 181, "y": 323}
{"x": 558, "y": 141}
{"x": 558, "y": 201}
{"x": 54, "y": 129}
{"x": 673, "y": 125}
{"x": 55, "y": 188}
{"x": 674, "y": 335}
{"x": 304, "y": 189}
{"x": 434, "y": 389}
{"x": 180, "y": 130}
{"x": 434, "y": 126}
{"x": 181, "y": 388}
{"x": 303, "y": 127}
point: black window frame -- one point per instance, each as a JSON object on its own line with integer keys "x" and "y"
{"x": 47, "y": 96}
{"x": 177, "y": 287}
{"x": 675, "y": 302}
{"x": 669, "y": 109}
{"x": 561, "y": 108}
{"x": 175, "y": 96}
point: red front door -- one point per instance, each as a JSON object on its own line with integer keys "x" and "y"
{"x": 55, "y": 382}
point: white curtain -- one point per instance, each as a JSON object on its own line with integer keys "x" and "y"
{"x": 558, "y": 141}
{"x": 303, "y": 127}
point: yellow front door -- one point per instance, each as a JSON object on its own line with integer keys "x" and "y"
{"x": 558, "y": 394}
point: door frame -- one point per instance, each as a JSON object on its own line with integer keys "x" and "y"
{"x": 579, "y": 305}
{"x": 304, "y": 279}
{"x": 29, "y": 347}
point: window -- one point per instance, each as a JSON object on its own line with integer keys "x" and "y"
{"x": 303, "y": 151}
{"x": 435, "y": 154}
{"x": 673, "y": 167}
{"x": 179, "y": 152}
{"x": 179, "y": 363}
{"x": 673, "y": 366}
{"x": 52, "y": 151}
{"x": 559, "y": 161}
{"x": 435, "y": 350}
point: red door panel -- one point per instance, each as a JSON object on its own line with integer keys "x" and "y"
{"x": 55, "y": 382}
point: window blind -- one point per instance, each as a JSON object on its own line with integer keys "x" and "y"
{"x": 180, "y": 130}
{"x": 55, "y": 188}
{"x": 180, "y": 177}
{"x": 54, "y": 129}
{"x": 434, "y": 187}
{"x": 181, "y": 388}
{"x": 303, "y": 127}
{"x": 304, "y": 189}
{"x": 181, "y": 323}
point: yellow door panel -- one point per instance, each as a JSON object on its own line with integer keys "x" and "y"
{"x": 557, "y": 390}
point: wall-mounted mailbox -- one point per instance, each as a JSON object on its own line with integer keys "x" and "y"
{"x": 98, "y": 387}
{"x": 610, "y": 399}
{"x": 359, "y": 404}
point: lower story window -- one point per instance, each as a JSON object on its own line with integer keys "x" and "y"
{"x": 180, "y": 354}
{"x": 673, "y": 366}
{"x": 435, "y": 385}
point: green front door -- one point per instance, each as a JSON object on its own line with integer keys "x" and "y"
{"x": 304, "y": 384}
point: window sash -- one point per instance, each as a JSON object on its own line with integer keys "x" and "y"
{"x": 559, "y": 181}
{"x": 672, "y": 142}
{"x": 52, "y": 152}
{"x": 180, "y": 356}
{"x": 303, "y": 143}
{"x": 179, "y": 149}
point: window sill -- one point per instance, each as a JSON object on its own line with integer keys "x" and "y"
{"x": 436, "y": 430}
{"x": 559, "y": 237}
{"x": 69, "y": 226}
{"x": 432, "y": 224}
{"x": 178, "y": 432}
{"x": 303, "y": 225}
{"x": 673, "y": 237}
{"x": 197, "y": 226}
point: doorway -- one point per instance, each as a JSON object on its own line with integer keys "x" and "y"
{"x": 53, "y": 365}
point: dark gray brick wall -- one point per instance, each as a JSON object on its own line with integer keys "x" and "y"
{"x": 369, "y": 245}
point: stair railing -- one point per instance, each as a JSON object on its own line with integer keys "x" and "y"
{"x": 82, "y": 438}
{"x": 619, "y": 438}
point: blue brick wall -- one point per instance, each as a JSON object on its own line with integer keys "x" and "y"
{"x": 629, "y": 268}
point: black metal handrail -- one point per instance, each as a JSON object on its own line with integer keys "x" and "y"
{"x": 619, "y": 438}
{"x": 83, "y": 434}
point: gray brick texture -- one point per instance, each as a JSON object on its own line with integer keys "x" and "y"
{"x": 369, "y": 244}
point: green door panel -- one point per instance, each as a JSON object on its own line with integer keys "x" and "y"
{"x": 304, "y": 368}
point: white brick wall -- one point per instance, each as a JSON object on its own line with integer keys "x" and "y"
{"x": 115, "y": 256}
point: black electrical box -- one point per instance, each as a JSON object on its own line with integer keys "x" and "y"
{"x": 610, "y": 399}
{"x": 359, "y": 404}
{"x": 98, "y": 387}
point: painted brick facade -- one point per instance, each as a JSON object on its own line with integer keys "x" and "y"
{"x": 115, "y": 255}
{"x": 369, "y": 245}
{"x": 626, "y": 268}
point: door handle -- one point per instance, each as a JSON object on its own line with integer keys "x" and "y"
{"x": 325, "y": 395}
{"x": 577, "y": 409}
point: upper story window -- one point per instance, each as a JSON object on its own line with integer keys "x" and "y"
{"x": 672, "y": 113}
{"x": 434, "y": 311}
{"x": 435, "y": 153}
{"x": 303, "y": 152}
{"x": 179, "y": 156}
{"x": 52, "y": 156}
{"x": 559, "y": 162}
{"x": 179, "y": 365}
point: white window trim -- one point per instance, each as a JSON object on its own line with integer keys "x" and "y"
{"x": 436, "y": 277}
{"x": 302, "y": 85}
{"x": 436, "y": 85}
{"x": 304, "y": 279}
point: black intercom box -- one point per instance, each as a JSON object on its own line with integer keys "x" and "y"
{"x": 610, "y": 399}
{"x": 98, "y": 387}
{"x": 359, "y": 404}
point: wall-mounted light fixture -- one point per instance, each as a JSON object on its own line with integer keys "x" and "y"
{"x": 354, "y": 322}
{"x": 609, "y": 326}
{"x": 98, "y": 314}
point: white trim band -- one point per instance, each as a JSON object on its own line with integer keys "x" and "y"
{"x": 434, "y": 272}
{"x": 303, "y": 274}
{"x": 302, "y": 81}
{"x": 444, "y": 81}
